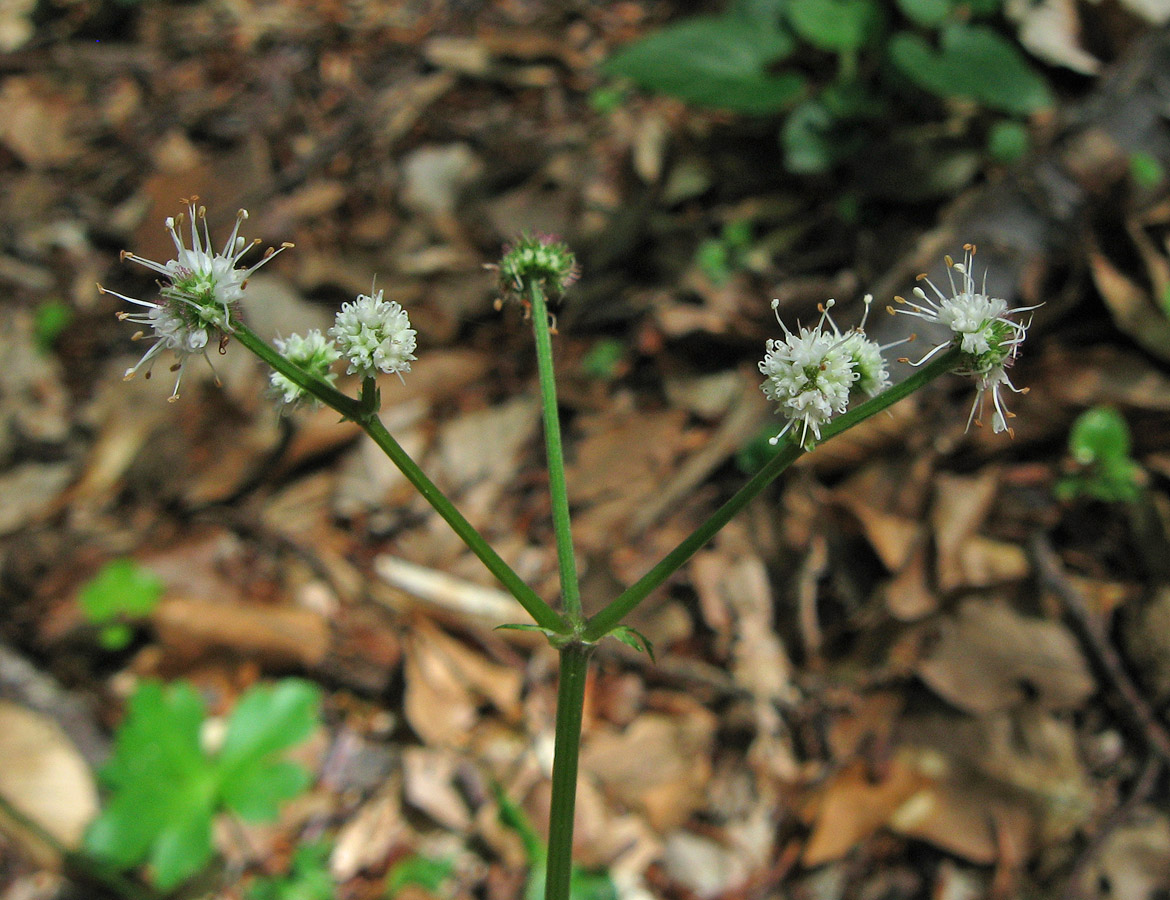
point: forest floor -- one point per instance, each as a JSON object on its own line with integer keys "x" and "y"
{"x": 908, "y": 670}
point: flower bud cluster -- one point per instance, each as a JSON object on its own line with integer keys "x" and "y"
{"x": 813, "y": 373}
{"x": 539, "y": 259}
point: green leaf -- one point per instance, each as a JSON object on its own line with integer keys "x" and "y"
{"x": 120, "y": 588}
{"x": 309, "y": 878}
{"x": 423, "y": 871}
{"x": 1146, "y": 170}
{"x": 721, "y": 62}
{"x": 1008, "y": 142}
{"x": 270, "y": 718}
{"x": 166, "y": 789}
{"x": 50, "y": 319}
{"x": 927, "y": 13}
{"x": 157, "y": 771}
{"x": 633, "y": 638}
{"x": 1099, "y": 434}
{"x": 255, "y": 792}
{"x": 182, "y": 848}
{"x": 838, "y": 26}
{"x": 974, "y": 62}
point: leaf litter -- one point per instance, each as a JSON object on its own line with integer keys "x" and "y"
{"x": 860, "y": 692}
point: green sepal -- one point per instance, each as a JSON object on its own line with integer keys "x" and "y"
{"x": 631, "y": 637}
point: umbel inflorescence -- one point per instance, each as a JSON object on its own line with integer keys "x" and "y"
{"x": 982, "y": 328}
{"x": 198, "y": 307}
{"x": 814, "y": 373}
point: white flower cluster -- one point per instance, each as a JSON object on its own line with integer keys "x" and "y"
{"x": 983, "y": 329}
{"x": 813, "y": 373}
{"x": 199, "y": 301}
{"x": 374, "y": 334}
{"x": 199, "y": 295}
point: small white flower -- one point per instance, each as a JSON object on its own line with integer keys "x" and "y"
{"x": 314, "y": 353}
{"x": 375, "y": 335}
{"x": 810, "y": 374}
{"x": 198, "y": 296}
{"x": 872, "y": 375}
{"x": 982, "y": 327}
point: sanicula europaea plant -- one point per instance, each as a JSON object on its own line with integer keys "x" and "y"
{"x": 822, "y": 379}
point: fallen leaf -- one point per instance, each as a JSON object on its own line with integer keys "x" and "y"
{"x": 45, "y": 778}
{"x": 988, "y": 657}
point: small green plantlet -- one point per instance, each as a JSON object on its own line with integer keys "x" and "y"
{"x": 50, "y": 319}
{"x": 1146, "y": 170}
{"x": 603, "y": 359}
{"x": 1099, "y": 444}
{"x": 606, "y": 100}
{"x": 166, "y": 787}
{"x": 308, "y": 878}
{"x": 423, "y": 871}
{"x": 719, "y": 258}
{"x": 583, "y": 885}
{"x": 739, "y": 62}
{"x": 120, "y": 593}
{"x": 1008, "y": 142}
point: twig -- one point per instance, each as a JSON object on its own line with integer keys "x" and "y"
{"x": 1095, "y": 635}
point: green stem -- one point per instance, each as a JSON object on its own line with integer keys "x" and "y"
{"x": 544, "y": 615}
{"x": 570, "y": 707}
{"x": 558, "y": 491}
{"x": 605, "y": 620}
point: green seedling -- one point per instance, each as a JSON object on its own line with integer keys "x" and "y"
{"x": 1099, "y": 444}
{"x": 719, "y": 258}
{"x": 425, "y": 872}
{"x": 166, "y": 787}
{"x": 583, "y": 884}
{"x": 603, "y": 359}
{"x": 122, "y": 592}
{"x": 50, "y": 319}
{"x": 741, "y": 61}
{"x": 308, "y": 878}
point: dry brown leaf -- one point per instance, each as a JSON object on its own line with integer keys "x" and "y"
{"x": 988, "y": 657}
{"x": 367, "y": 839}
{"x": 46, "y": 779}
{"x": 35, "y": 124}
{"x": 189, "y": 627}
{"x": 659, "y": 764}
{"x": 1133, "y": 309}
{"x": 1134, "y": 862}
{"x": 852, "y": 806}
{"x": 428, "y": 784}
{"x": 960, "y": 507}
{"x": 446, "y": 683}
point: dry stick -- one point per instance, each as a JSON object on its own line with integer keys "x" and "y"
{"x": 1093, "y": 632}
{"x": 1142, "y": 789}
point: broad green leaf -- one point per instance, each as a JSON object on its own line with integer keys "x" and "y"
{"x": 255, "y": 792}
{"x": 166, "y": 789}
{"x": 762, "y": 12}
{"x": 182, "y": 848}
{"x": 716, "y": 61}
{"x": 837, "y": 26}
{"x": 270, "y": 718}
{"x": 974, "y": 62}
{"x": 927, "y": 13}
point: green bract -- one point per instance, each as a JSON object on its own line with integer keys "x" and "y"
{"x": 165, "y": 788}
